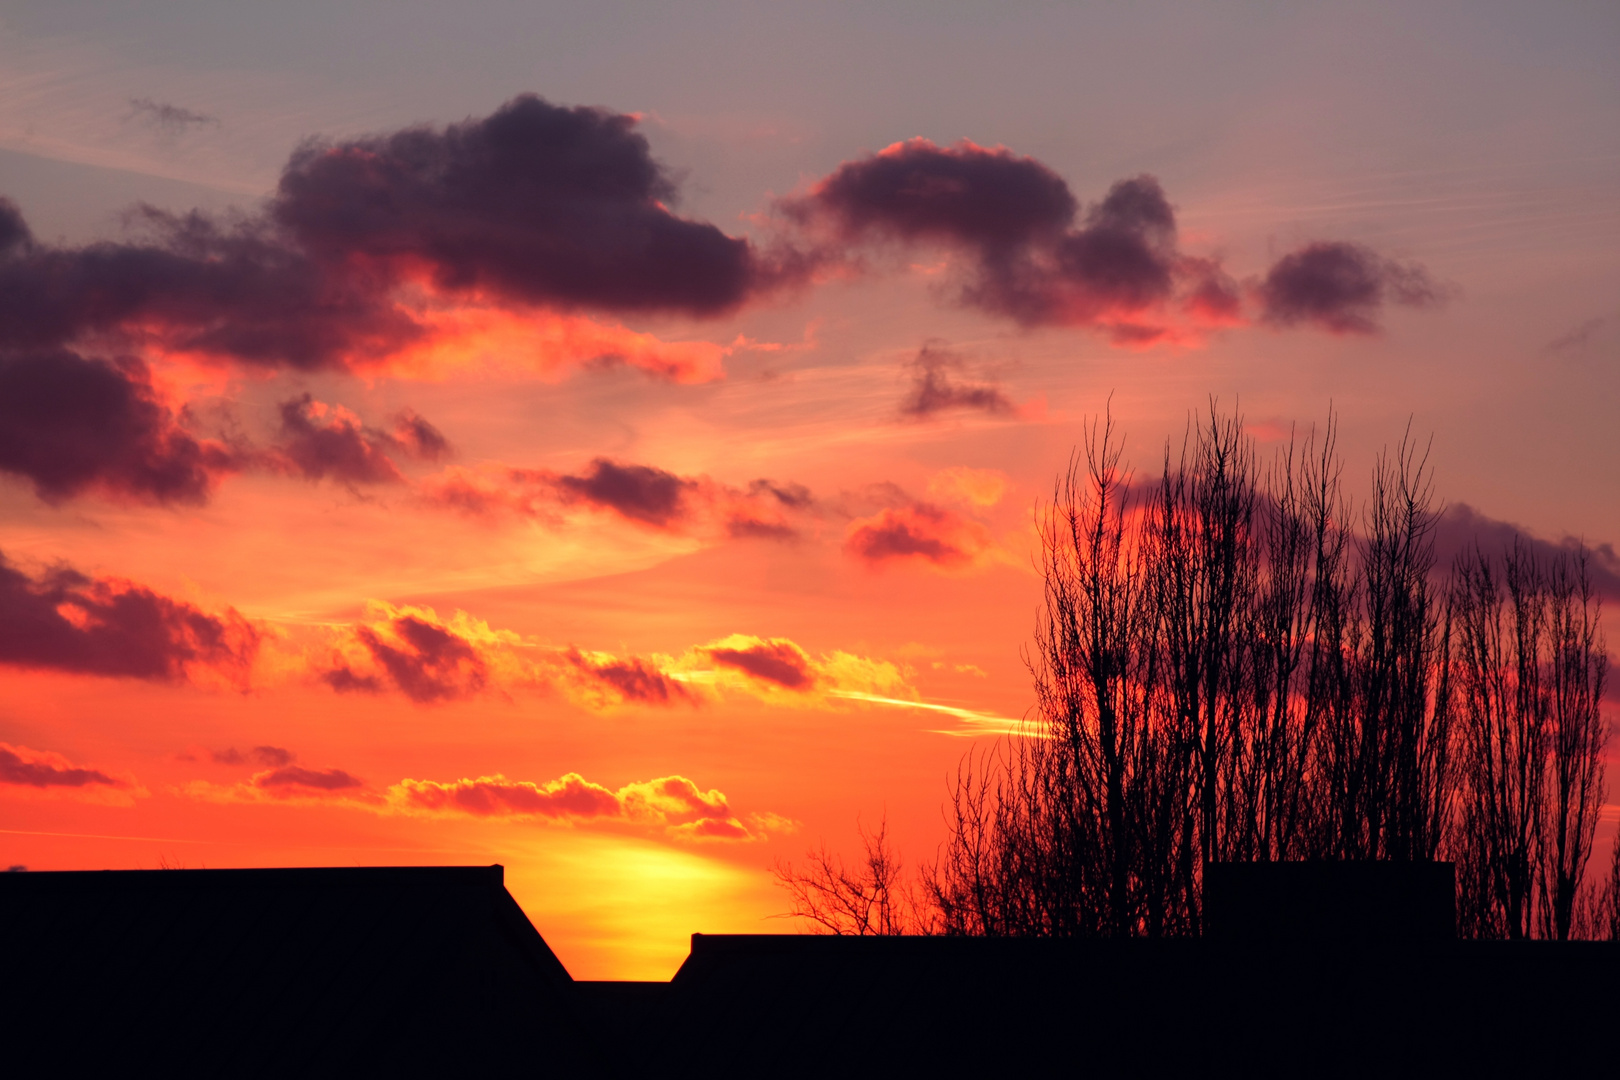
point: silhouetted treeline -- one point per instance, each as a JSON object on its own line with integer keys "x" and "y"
{"x": 1233, "y": 663}
{"x": 1530, "y": 672}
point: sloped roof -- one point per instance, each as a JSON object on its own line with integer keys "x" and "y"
{"x": 296, "y": 972}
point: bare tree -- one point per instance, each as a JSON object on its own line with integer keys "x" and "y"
{"x": 1299, "y": 665}
{"x": 1532, "y": 667}
{"x": 1500, "y": 614}
{"x": 1577, "y": 673}
{"x": 1225, "y": 670}
{"x": 980, "y": 885}
{"x": 869, "y": 898}
{"x": 1202, "y": 565}
{"x": 1079, "y": 787}
{"x": 1602, "y": 905}
{"x": 1386, "y": 746}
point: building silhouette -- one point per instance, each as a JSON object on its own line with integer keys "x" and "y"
{"x": 1308, "y": 970}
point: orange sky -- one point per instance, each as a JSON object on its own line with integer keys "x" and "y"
{"x": 687, "y": 587}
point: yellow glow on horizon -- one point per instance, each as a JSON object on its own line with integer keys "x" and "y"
{"x": 615, "y": 907}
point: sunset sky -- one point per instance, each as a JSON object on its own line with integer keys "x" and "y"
{"x": 603, "y": 438}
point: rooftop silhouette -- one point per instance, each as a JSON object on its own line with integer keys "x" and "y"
{"x": 416, "y": 971}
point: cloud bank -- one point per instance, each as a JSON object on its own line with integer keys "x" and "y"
{"x": 385, "y": 246}
{"x": 413, "y": 651}
{"x": 1031, "y": 252}
{"x": 536, "y": 207}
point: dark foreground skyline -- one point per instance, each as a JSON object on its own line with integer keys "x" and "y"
{"x": 603, "y": 439}
{"x": 413, "y": 971}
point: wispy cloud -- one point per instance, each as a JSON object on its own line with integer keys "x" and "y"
{"x": 974, "y": 721}
{"x": 167, "y": 118}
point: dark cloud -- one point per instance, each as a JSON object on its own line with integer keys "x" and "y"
{"x": 644, "y": 494}
{"x": 780, "y": 662}
{"x": 638, "y": 492}
{"x": 268, "y": 756}
{"x": 759, "y": 512}
{"x": 1573, "y": 341}
{"x": 295, "y": 776}
{"x": 1124, "y": 257}
{"x": 425, "y": 661}
{"x": 419, "y": 438}
{"x": 932, "y": 390}
{"x": 529, "y": 493}
{"x": 1461, "y": 528}
{"x": 169, "y": 119}
{"x": 916, "y": 190}
{"x": 1213, "y": 296}
{"x": 316, "y": 445}
{"x": 195, "y": 285}
{"x": 69, "y": 423}
{"x": 320, "y": 442}
{"x": 65, "y": 621}
{"x": 572, "y": 796}
{"x": 634, "y": 679}
{"x": 1034, "y": 254}
{"x": 1035, "y": 257}
{"x": 916, "y": 530}
{"x": 535, "y": 204}
{"x": 744, "y": 526}
{"x": 791, "y": 495}
{"x": 273, "y": 756}
{"x": 685, "y": 810}
{"x": 542, "y": 204}
{"x": 1342, "y": 287}
{"x": 32, "y": 769}
{"x": 345, "y": 680}
{"x": 886, "y": 539}
{"x": 13, "y": 229}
